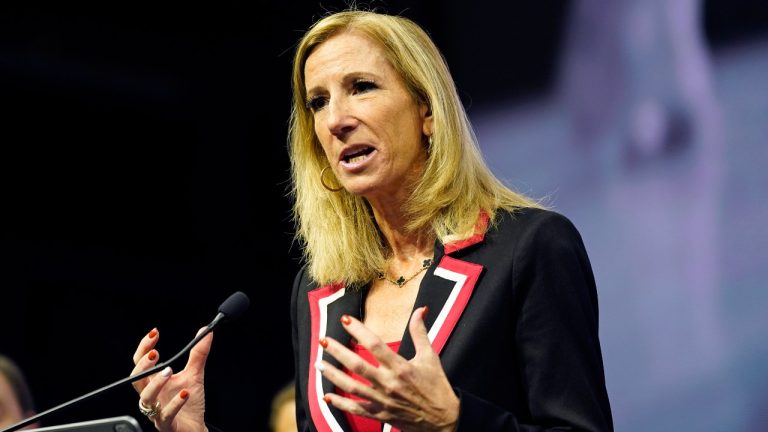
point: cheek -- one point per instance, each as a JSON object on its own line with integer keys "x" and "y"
{"x": 409, "y": 131}
{"x": 325, "y": 150}
{"x": 324, "y": 140}
{"x": 316, "y": 129}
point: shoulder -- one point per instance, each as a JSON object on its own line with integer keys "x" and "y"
{"x": 302, "y": 284}
{"x": 301, "y": 277}
{"x": 300, "y": 308}
{"x": 533, "y": 225}
{"x": 534, "y": 237}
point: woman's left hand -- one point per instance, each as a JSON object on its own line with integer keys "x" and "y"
{"x": 411, "y": 395}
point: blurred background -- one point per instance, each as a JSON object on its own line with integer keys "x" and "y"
{"x": 143, "y": 178}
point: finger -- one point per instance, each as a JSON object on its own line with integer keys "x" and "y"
{"x": 356, "y": 407}
{"x": 147, "y": 343}
{"x": 169, "y": 412}
{"x": 147, "y": 361}
{"x": 349, "y": 359}
{"x": 199, "y": 353}
{"x": 418, "y": 331}
{"x": 370, "y": 341}
{"x": 346, "y": 383}
{"x": 383, "y": 383}
{"x": 150, "y": 394}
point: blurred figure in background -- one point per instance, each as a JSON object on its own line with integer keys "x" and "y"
{"x": 282, "y": 417}
{"x": 638, "y": 82}
{"x": 637, "y": 73}
{"x": 15, "y": 398}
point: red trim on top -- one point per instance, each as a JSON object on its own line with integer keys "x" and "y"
{"x": 360, "y": 423}
{"x": 472, "y": 272}
{"x": 321, "y": 423}
{"x": 480, "y": 228}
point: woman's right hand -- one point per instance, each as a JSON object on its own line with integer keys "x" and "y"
{"x": 180, "y": 397}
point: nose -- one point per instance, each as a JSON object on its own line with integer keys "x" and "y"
{"x": 341, "y": 119}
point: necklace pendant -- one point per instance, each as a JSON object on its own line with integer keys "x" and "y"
{"x": 402, "y": 280}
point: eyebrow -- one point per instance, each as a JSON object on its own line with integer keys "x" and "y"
{"x": 350, "y": 77}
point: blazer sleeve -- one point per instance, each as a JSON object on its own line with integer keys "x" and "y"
{"x": 556, "y": 338}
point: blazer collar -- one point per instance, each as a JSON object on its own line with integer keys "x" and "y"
{"x": 481, "y": 227}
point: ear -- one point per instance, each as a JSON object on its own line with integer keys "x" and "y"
{"x": 427, "y": 126}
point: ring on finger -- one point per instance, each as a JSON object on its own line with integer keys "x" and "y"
{"x": 149, "y": 411}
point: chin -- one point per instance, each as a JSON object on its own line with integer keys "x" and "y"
{"x": 361, "y": 192}
{"x": 363, "y": 189}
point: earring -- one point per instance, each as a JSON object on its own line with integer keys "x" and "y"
{"x": 322, "y": 181}
{"x": 429, "y": 144}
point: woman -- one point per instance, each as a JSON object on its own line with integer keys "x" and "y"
{"x": 433, "y": 298}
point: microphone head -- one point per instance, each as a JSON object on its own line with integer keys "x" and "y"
{"x": 235, "y": 305}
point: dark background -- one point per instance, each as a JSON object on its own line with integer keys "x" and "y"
{"x": 143, "y": 176}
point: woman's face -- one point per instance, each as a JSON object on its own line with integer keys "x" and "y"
{"x": 371, "y": 128}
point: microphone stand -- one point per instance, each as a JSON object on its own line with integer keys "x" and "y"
{"x": 128, "y": 379}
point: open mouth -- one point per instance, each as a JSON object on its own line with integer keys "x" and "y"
{"x": 357, "y": 154}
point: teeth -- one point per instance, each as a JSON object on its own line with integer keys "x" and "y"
{"x": 357, "y": 158}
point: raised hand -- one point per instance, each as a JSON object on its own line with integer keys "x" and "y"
{"x": 173, "y": 402}
{"x": 411, "y": 395}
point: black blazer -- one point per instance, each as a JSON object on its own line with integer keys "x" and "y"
{"x": 512, "y": 313}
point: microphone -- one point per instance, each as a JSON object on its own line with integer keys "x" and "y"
{"x": 232, "y": 308}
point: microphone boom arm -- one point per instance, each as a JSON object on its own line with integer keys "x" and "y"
{"x": 209, "y": 328}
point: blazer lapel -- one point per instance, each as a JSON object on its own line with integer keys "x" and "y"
{"x": 327, "y": 305}
{"x": 446, "y": 289}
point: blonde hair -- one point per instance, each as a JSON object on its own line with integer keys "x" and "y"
{"x": 339, "y": 236}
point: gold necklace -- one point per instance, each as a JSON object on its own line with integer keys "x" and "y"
{"x": 402, "y": 280}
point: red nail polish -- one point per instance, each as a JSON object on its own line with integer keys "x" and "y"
{"x": 327, "y": 399}
{"x": 152, "y": 333}
{"x": 345, "y": 319}
{"x": 424, "y": 312}
{"x": 184, "y": 394}
{"x": 324, "y": 343}
{"x": 152, "y": 355}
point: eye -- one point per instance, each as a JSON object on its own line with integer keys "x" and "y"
{"x": 316, "y": 103}
{"x": 362, "y": 86}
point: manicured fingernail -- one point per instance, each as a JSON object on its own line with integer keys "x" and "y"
{"x": 324, "y": 343}
{"x": 152, "y": 333}
{"x": 424, "y": 312}
{"x": 327, "y": 399}
{"x": 345, "y": 319}
{"x": 166, "y": 372}
{"x": 184, "y": 394}
{"x": 152, "y": 355}
{"x": 319, "y": 365}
